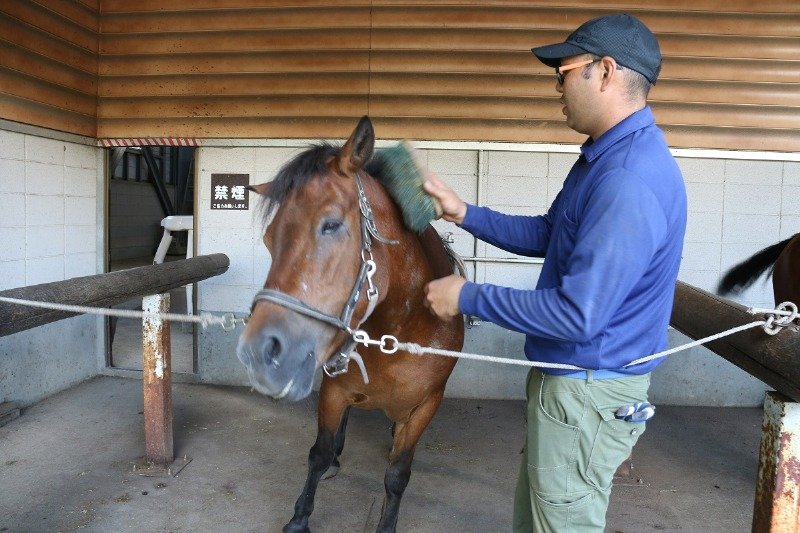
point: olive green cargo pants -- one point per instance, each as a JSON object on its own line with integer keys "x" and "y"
{"x": 574, "y": 446}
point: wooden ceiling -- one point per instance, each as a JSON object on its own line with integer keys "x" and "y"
{"x": 421, "y": 70}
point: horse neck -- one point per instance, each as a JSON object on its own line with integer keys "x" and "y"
{"x": 408, "y": 265}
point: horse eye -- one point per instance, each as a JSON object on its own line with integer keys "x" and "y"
{"x": 329, "y": 227}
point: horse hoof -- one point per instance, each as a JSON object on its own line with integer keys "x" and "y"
{"x": 330, "y": 472}
{"x": 294, "y": 528}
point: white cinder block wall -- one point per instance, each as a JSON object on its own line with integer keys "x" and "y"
{"x": 50, "y": 230}
{"x": 736, "y": 207}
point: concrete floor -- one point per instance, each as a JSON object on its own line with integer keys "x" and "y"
{"x": 65, "y": 466}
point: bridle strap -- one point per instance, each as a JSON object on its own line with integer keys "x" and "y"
{"x": 368, "y": 226}
{"x": 299, "y": 306}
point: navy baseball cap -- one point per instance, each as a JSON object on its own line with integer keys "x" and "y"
{"x": 623, "y": 37}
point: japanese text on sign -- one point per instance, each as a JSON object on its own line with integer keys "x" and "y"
{"x": 228, "y": 191}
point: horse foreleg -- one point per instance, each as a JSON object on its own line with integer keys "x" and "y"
{"x": 338, "y": 445}
{"x": 320, "y": 457}
{"x": 398, "y": 473}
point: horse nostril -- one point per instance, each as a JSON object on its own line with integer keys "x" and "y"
{"x": 272, "y": 349}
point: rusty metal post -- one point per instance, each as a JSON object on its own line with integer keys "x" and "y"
{"x": 157, "y": 378}
{"x": 777, "y": 503}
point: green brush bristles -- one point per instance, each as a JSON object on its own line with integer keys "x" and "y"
{"x": 403, "y": 179}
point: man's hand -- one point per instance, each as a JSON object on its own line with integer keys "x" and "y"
{"x": 441, "y": 296}
{"x": 454, "y": 209}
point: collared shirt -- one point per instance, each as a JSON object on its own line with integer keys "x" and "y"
{"x": 612, "y": 242}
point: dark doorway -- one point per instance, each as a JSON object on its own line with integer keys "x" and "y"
{"x": 147, "y": 184}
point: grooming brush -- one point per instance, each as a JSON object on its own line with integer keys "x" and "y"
{"x": 403, "y": 178}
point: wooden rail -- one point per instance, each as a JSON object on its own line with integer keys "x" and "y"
{"x": 104, "y": 290}
{"x": 771, "y": 358}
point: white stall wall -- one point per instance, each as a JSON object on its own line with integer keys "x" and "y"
{"x": 736, "y": 207}
{"x": 51, "y": 219}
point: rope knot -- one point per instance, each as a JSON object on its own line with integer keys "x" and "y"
{"x": 783, "y": 316}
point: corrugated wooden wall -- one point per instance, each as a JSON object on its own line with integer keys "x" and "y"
{"x": 423, "y": 70}
{"x": 48, "y": 63}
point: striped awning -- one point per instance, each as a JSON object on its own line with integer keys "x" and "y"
{"x": 149, "y": 141}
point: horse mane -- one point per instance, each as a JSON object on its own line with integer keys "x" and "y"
{"x": 455, "y": 260}
{"x": 303, "y": 167}
{"x": 741, "y": 276}
{"x": 294, "y": 174}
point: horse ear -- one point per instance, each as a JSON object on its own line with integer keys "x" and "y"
{"x": 261, "y": 188}
{"x": 358, "y": 149}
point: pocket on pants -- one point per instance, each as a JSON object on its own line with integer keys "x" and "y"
{"x": 553, "y": 441}
{"x": 612, "y": 444}
{"x": 563, "y": 516}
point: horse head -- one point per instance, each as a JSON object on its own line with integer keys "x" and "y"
{"x": 321, "y": 281}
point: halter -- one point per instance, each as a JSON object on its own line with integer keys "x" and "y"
{"x": 338, "y": 364}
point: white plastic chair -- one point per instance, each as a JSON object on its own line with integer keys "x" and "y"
{"x": 177, "y": 223}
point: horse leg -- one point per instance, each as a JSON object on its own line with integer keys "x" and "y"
{"x": 398, "y": 473}
{"x": 332, "y": 408}
{"x": 338, "y": 445}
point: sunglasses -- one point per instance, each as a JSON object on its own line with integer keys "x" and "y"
{"x": 565, "y": 68}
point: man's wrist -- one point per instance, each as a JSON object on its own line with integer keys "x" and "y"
{"x": 459, "y": 219}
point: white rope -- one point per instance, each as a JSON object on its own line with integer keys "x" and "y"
{"x": 698, "y": 342}
{"x": 777, "y": 311}
{"x": 417, "y": 349}
{"x": 771, "y": 326}
{"x": 787, "y": 310}
{"x": 204, "y": 319}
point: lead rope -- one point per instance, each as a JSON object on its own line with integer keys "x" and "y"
{"x": 782, "y": 316}
{"x": 228, "y": 321}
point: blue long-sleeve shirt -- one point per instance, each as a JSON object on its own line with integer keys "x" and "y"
{"x": 612, "y": 243}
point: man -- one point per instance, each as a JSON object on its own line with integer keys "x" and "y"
{"x": 612, "y": 243}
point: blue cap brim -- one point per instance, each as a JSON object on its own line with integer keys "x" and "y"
{"x": 551, "y": 54}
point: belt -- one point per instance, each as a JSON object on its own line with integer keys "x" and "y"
{"x": 595, "y": 374}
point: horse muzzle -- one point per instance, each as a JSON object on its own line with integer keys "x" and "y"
{"x": 278, "y": 366}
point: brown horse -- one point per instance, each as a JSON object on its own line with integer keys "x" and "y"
{"x": 783, "y": 259}
{"x": 342, "y": 262}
